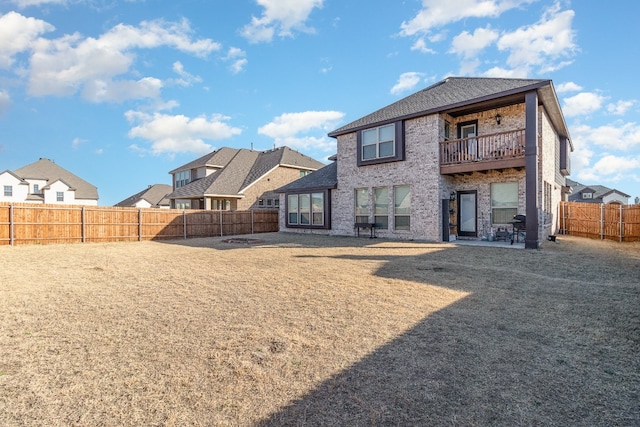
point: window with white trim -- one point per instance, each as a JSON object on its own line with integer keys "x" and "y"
{"x": 306, "y": 210}
{"x": 504, "y": 202}
{"x": 381, "y": 207}
{"x": 362, "y": 205}
{"x": 378, "y": 142}
{"x": 59, "y": 196}
{"x": 402, "y": 207}
{"x": 8, "y": 190}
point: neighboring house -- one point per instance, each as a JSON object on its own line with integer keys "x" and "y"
{"x": 46, "y": 182}
{"x": 596, "y": 194}
{"x": 237, "y": 179}
{"x": 154, "y": 196}
{"x": 458, "y": 159}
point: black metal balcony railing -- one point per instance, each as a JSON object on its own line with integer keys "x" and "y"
{"x": 493, "y": 147}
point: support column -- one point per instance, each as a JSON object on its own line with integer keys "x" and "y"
{"x": 532, "y": 241}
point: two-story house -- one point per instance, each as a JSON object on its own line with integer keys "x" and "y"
{"x": 46, "y": 182}
{"x": 237, "y": 179}
{"x": 460, "y": 158}
{"x": 596, "y": 194}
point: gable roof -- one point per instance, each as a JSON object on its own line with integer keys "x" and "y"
{"x": 324, "y": 178}
{"x": 216, "y": 159}
{"x": 155, "y": 195}
{"x": 598, "y": 191}
{"x": 242, "y": 169}
{"x": 456, "y": 93}
{"x": 46, "y": 170}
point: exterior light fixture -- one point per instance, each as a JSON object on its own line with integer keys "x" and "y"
{"x": 498, "y": 118}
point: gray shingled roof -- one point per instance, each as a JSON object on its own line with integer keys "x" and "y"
{"x": 45, "y": 169}
{"x": 241, "y": 170}
{"x": 154, "y": 194}
{"x": 219, "y": 159}
{"x": 327, "y": 177}
{"x": 598, "y": 191}
{"x": 446, "y": 94}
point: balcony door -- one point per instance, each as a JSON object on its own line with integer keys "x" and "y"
{"x": 469, "y": 130}
{"x": 467, "y": 213}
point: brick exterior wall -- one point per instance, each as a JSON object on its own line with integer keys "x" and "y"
{"x": 421, "y": 171}
{"x": 265, "y": 186}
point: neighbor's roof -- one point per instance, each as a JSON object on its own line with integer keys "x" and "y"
{"x": 242, "y": 170}
{"x": 599, "y": 191}
{"x": 457, "y": 92}
{"x": 324, "y": 178}
{"x": 45, "y": 169}
{"x": 216, "y": 159}
{"x": 155, "y": 195}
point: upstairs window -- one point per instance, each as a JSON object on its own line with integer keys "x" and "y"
{"x": 378, "y": 142}
{"x": 183, "y": 178}
{"x": 59, "y": 196}
{"x": 587, "y": 195}
{"x": 36, "y": 188}
{"x": 8, "y": 191}
{"x": 381, "y": 144}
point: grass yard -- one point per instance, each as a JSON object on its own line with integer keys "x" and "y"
{"x": 312, "y": 330}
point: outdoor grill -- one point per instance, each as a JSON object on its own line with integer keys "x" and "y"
{"x": 519, "y": 224}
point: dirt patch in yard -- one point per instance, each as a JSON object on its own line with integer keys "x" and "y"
{"x": 313, "y": 330}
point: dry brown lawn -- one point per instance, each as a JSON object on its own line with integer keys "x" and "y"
{"x": 312, "y": 330}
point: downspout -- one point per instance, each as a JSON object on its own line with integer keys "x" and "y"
{"x": 532, "y": 240}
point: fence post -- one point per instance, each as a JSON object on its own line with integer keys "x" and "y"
{"x": 251, "y": 221}
{"x": 11, "y": 229}
{"x": 621, "y": 225}
{"x": 82, "y": 225}
{"x": 184, "y": 224}
{"x": 221, "y": 234}
{"x": 139, "y": 224}
{"x": 601, "y": 221}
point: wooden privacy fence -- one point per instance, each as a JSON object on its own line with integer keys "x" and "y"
{"x": 603, "y": 221}
{"x": 23, "y": 223}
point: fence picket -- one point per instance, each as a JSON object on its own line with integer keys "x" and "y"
{"x": 23, "y": 223}
{"x": 597, "y": 220}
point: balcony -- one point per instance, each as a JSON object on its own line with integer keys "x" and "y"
{"x": 483, "y": 153}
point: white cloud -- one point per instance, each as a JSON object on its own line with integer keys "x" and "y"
{"x": 179, "y": 134}
{"x": 281, "y": 17}
{"x": 406, "y": 81}
{"x": 26, "y": 3}
{"x": 5, "y": 101}
{"x": 17, "y": 34}
{"x": 421, "y": 46}
{"x": 77, "y": 142}
{"x": 602, "y": 153}
{"x": 582, "y": 104}
{"x": 568, "y": 87}
{"x": 542, "y": 44}
{"x": 72, "y": 63}
{"x": 437, "y": 13}
{"x": 620, "y": 107}
{"x": 292, "y": 129}
{"x": 238, "y": 59}
{"x": 186, "y": 79}
{"x": 469, "y": 45}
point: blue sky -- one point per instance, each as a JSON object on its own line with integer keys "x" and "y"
{"x": 122, "y": 92}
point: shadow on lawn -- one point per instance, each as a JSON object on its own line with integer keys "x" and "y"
{"x": 526, "y": 347}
